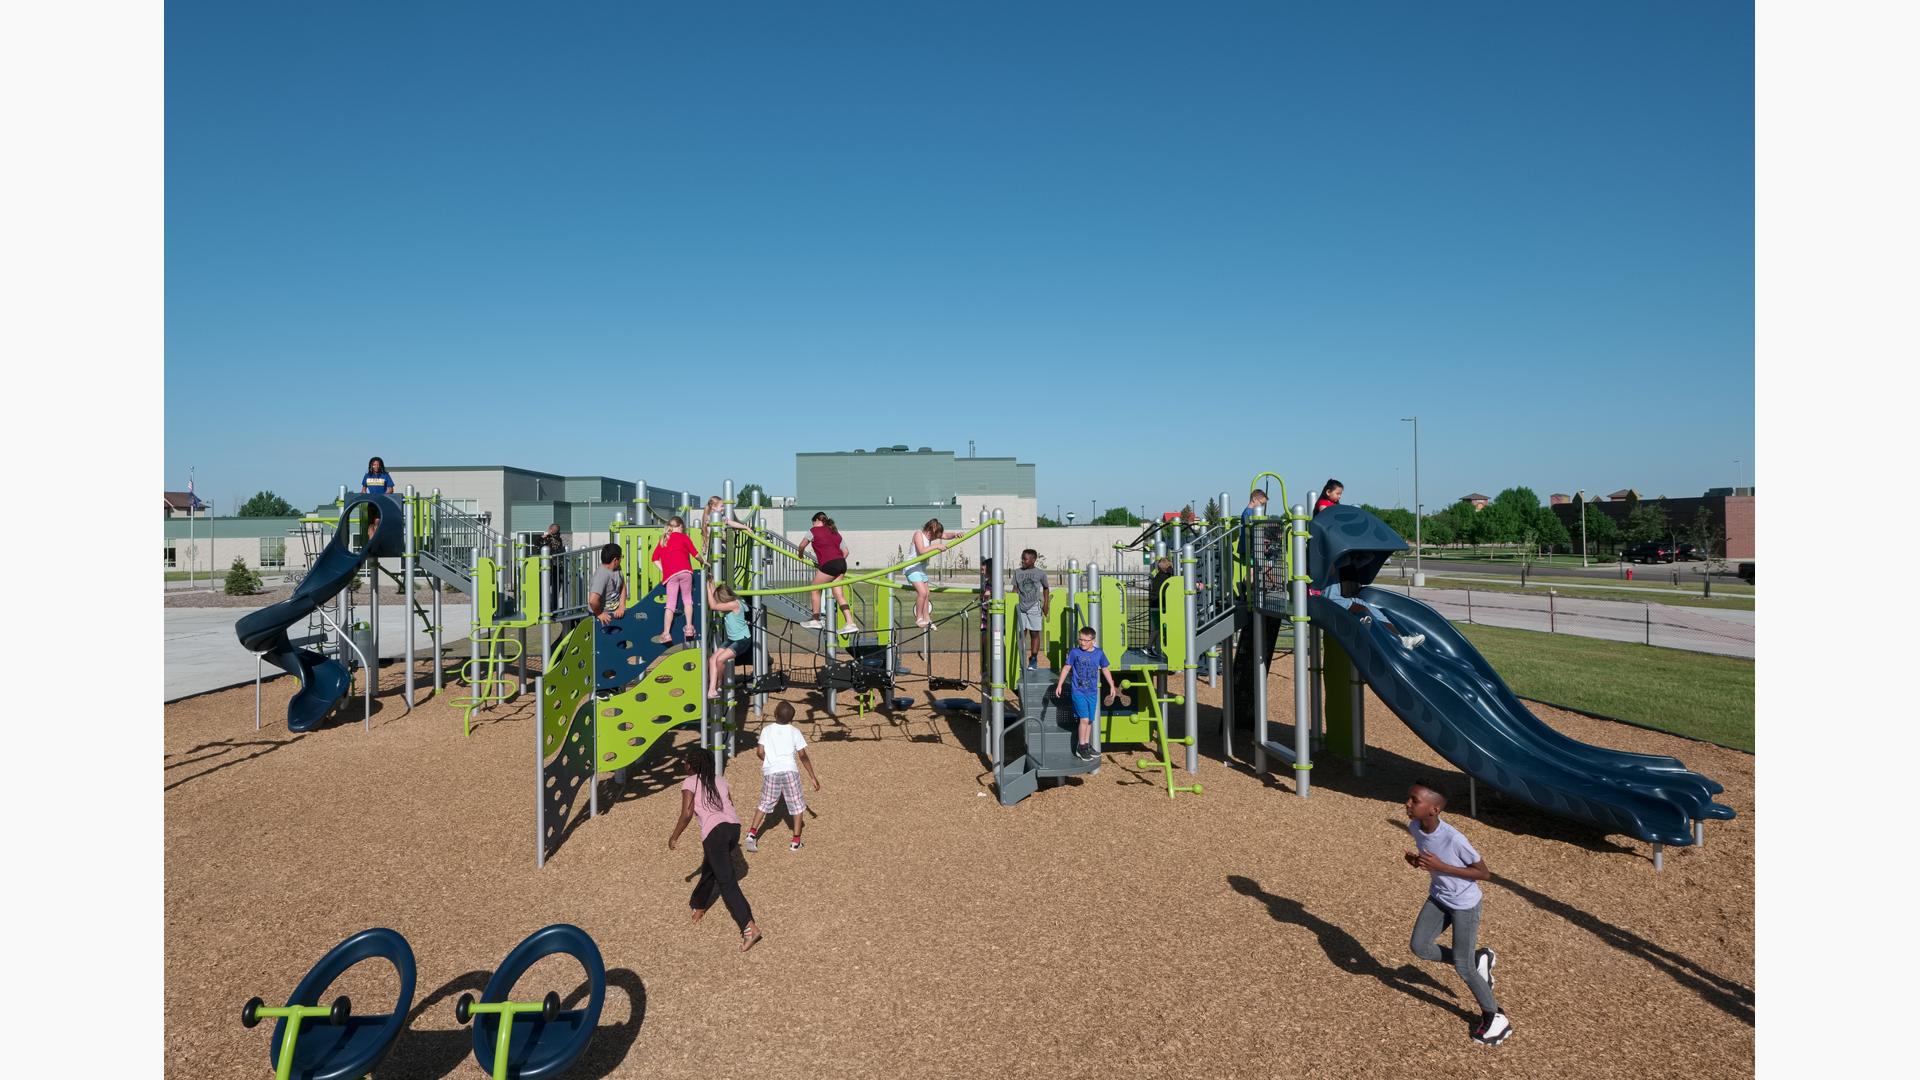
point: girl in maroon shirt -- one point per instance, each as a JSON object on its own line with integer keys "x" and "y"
{"x": 831, "y": 558}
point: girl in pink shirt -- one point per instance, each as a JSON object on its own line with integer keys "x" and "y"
{"x": 676, "y": 556}
{"x": 705, "y": 796}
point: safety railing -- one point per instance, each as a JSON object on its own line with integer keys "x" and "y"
{"x": 1213, "y": 550}
{"x": 570, "y": 578}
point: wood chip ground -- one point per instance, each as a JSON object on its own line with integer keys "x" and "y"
{"x": 1098, "y": 929}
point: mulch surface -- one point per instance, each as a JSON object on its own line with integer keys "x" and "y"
{"x": 1098, "y": 929}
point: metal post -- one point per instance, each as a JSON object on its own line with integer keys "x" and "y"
{"x": 1649, "y": 612}
{"x": 1258, "y": 645}
{"x": 439, "y": 637}
{"x": 1658, "y": 862}
{"x": 1093, "y": 611}
{"x": 829, "y": 625}
{"x": 1700, "y": 833}
{"x": 760, "y": 557}
{"x": 256, "y": 690}
{"x": 1473, "y": 797}
{"x": 1418, "y": 577}
{"x": 539, "y": 774}
{"x": 1302, "y": 751}
{"x": 373, "y": 600}
{"x": 407, "y": 564}
{"x": 1469, "y": 604}
{"x": 1358, "y": 704}
{"x": 997, "y": 646}
{"x": 1191, "y": 664}
{"x": 1550, "y": 619}
{"x": 706, "y": 719}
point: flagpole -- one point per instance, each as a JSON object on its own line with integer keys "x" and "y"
{"x": 193, "y": 556}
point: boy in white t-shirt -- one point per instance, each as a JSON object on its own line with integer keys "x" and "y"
{"x": 1453, "y": 899}
{"x": 781, "y": 750}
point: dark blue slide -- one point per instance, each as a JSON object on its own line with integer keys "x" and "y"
{"x": 1448, "y": 694}
{"x": 323, "y": 681}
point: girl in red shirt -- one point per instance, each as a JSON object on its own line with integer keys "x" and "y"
{"x": 676, "y": 556}
{"x": 1329, "y": 496}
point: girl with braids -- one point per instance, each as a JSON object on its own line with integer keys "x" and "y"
{"x": 705, "y": 796}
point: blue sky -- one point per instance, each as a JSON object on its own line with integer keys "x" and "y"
{"x": 1153, "y": 249}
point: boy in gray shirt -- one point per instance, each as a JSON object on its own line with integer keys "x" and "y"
{"x": 1036, "y": 600}
{"x": 607, "y": 593}
{"x": 1453, "y": 899}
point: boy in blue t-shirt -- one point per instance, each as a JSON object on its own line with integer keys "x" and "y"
{"x": 1453, "y": 899}
{"x": 1086, "y": 665}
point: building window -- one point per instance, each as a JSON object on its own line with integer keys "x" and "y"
{"x": 173, "y": 557}
{"x": 273, "y": 552}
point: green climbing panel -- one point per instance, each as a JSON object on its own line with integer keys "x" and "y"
{"x": 568, "y": 684}
{"x": 629, "y": 723}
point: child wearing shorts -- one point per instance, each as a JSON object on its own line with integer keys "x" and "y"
{"x": 735, "y": 629}
{"x": 1085, "y": 666}
{"x": 781, "y": 750}
{"x": 923, "y": 542}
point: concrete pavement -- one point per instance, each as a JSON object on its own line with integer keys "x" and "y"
{"x": 202, "y": 653}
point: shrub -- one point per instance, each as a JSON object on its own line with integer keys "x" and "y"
{"x": 241, "y": 579}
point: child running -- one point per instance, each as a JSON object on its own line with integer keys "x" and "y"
{"x": 923, "y": 542}
{"x": 1453, "y": 899}
{"x": 737, "y": 633}
{"x": 705, "y": 796}
{"x": 830, "y": 556}
{"x": 781, "y": 747}
{"x": 676, "y": 556}
{"x": 1085, "y": 666}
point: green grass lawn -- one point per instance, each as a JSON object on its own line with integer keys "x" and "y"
{"x": 1687, "y": 693}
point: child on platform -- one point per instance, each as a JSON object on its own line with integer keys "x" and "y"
{"x": 736, "y": 634}
{"x": 676, "y": 556}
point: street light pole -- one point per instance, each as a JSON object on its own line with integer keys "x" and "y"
{"x": 1418, "y": 577}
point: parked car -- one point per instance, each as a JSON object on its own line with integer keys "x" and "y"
{"x": 1746, "y": 572}
{"x": 1649, "y": 551}
{"x": 1688, "y": 553}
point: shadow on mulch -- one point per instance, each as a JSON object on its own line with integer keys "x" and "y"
{"x": 1730, "y": 997}
{"x": 223, "y": 748}
{"x": 429, "y": 1055}
{"x": 1347, "y": 954}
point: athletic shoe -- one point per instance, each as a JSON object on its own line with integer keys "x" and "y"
{"x": 923, "y": 623}
{"x": 851, "y": 627}
{"x": 1084, "y": 753}
{"x": 812, "y": 624}
{"x": 1484, "y": 960}
{"x": 1365, "y": 619}
{"x": 794, "y": 844}
{"x": 752, "y": 842}
{"x": 1495, "y": 1031}
{"x": 1412, "y": 641}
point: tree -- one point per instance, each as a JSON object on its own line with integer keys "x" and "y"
{"x": 748, "y": 492}
{"x": 1601, "y": 530}
{"x": 1213, "y": 509}
{"x": 1711, "y": 541}
{"x": 1045, "y": 523}
{"x": 241, "y": 580}
{"x": 1400, "y": 521}
{"x": 1116, "y": 515}
{"x": 267, "y": 504}
{"x": 1549, "y": 531}
{"x": 1186, "y": 514}
{"x": 1648, "y": 522}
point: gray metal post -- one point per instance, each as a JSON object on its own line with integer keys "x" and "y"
{"x": 706, "y": 718}
{"x": 439, "y": 637}
{"x": 997, "y": 642}
{"x": 760, "y": 557}
{"x": 1191, "y": 680}
{"x": 1302, "y": 751}
{"x": 1259, "y": 647}
{"x": 373, "y": 599}
{"x": 407, "y": 563}
{"x": 1093, "y": 611}
{"x": 1659, "y": 863}
{"x": 829, "y": 625}
{"x": 1473, "y": 797}
{"x": 539, "y": 774}
{"x": 256, "y": 690}
{"x": 1073, "y": 600}
{"x": 1357, "y": 702}
{"x": 473, "y": 620}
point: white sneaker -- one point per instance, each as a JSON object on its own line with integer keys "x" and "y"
{"x": 750, "y": 842}
{"x": 1412, "y": 641}
{"x": 1484, "y": 960}
{"x": 812, "y": 624}
{"x": 1495, "y": 1032}
{"x": 850, "y": 627}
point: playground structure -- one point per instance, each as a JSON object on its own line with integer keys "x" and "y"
{"x": 1244, "y": 589}
{"x": 340, "y": 1045}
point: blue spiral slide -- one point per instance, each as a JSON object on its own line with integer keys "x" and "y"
{"x": 1452, "y": 698}
{"x": 323, "y": 680}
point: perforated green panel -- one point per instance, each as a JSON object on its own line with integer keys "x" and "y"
{"x": 568, "y": 684}
{"x": 633, "y": 720}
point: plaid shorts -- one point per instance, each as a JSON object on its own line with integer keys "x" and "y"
{"x": 775, "y": 786}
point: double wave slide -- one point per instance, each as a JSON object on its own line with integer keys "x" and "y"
{"x": 1448, "y": 694}
{"x": 323, "y": 680}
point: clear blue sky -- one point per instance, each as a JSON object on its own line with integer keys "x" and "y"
{"x": 1153, "y": 249}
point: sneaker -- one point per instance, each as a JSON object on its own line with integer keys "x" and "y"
{"x": 850, "y": 627}
{"x": 1412, "y": 641}
{"x": 663, "y": 639}
{"x": 923, "y": 623}
{"x": 794, "y": 844}
{"x": 813, "y": 624}
{"x": 1484, "y": 960}
{"x": 752, "y": 842}
{"x": 1365, "y": 620}
{"x": 1495, "y": 1031}
{"x": 1083, "y": 752}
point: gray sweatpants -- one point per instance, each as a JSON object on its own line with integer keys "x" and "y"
{"x": 1435, "y": 917}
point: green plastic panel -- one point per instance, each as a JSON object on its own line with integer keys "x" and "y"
{"x": 486, "y": 592}
{"x": 1113, "y": 617}
{"x": 634, "y": 720}
{"x": 1173, "y": 622}
{"x": 1336, "y": 677}
{"x": 568, "y": 685}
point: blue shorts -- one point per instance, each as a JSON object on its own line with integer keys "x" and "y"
{"x": 916, "y": 574}
{"x": 1086, "y": 705}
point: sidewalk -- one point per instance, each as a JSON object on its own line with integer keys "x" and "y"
{"x": 202, "y": 653}
{"x": 1710, "y": 630}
